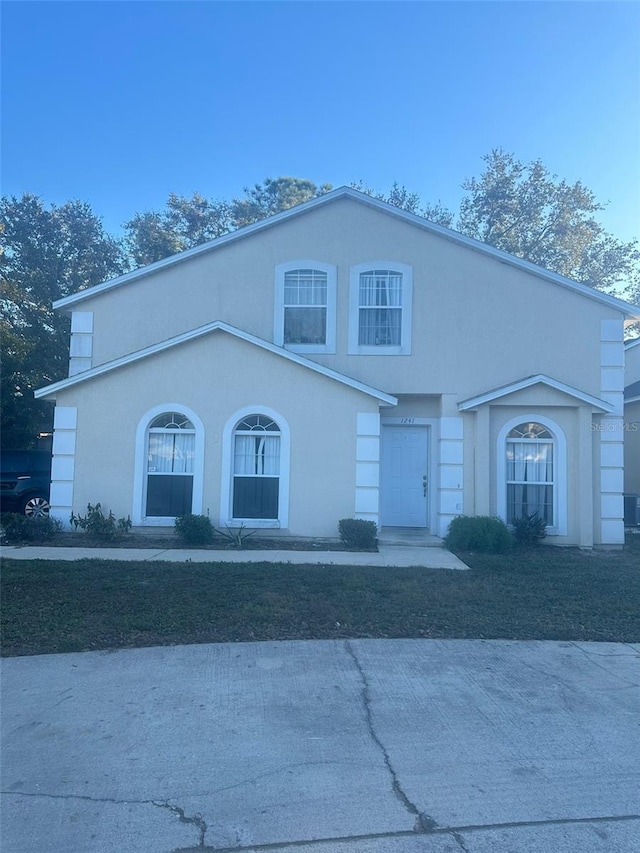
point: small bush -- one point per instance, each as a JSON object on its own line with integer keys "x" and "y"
{"x": 358, "y": 534}
{"x": 194, "y": 529}
{"x": 529, "y": 529}
{"x": 15, "y": 527}
{"x": 101, "y": 527}
{"x": 482, "y": 533}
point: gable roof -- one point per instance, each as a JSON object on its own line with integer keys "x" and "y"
{"x": 539, "y": 379}
{"x": 634, "y": 342}
{"x": 218, "y": 325}
{"x": 362, "y": 198}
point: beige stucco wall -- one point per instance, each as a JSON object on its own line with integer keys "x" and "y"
{"x": 216, "y": 376}
{"x": 477, "y": 323}
{"x": 632, "y": 448}
{"x": 632, "y": 423}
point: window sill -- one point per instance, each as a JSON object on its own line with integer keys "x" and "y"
{"x": 380, "y": 350}
{"x": 257, "y": 523}
{"x": 304, "y": 349}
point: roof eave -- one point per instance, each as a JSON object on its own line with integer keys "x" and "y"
{"x": 629, "y": 311}
{"x": 473, "y": 403}
{"x": 49, "y": 391}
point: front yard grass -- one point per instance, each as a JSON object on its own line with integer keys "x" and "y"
{"x": 539, "y": 594}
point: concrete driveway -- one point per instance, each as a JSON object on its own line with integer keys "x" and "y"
{"x": 385, "y": 746}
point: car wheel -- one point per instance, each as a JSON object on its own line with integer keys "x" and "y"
{"x": 37, "y": 507}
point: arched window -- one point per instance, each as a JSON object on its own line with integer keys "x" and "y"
{"x": 170, "y": 466}
{"x": 256, "y": 468}
{"x": 531, "y": 472}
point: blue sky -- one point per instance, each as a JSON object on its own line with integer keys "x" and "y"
{"x": 120, "y": 103}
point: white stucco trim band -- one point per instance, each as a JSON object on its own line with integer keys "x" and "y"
{"x": 539, "y": 379}
{"x": 81, "y": 342}
{"x": 611, "y": 433}
{"x": 367, "y": 497}
{"x": 450, "y": 471}
{"x": 50, "y": 390}
{"x": 65, "y": 422}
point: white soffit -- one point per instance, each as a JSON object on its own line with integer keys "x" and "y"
{"x": 218, "y": 325}
{"x": 539, "y": 379}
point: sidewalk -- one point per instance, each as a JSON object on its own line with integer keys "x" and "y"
{"x": 388, "y": 556}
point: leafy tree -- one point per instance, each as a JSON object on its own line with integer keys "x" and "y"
{"x": 45, "y": 254}
{"x": 528, "y": 212}
{"x": 185, "y": 223}
{"x": 410, "y": 201}
{"x": 273, "y": 196}
{"x": 188, "y": 222}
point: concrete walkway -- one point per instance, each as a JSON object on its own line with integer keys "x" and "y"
{"x": 388, "y": 556}
{"x": 363, "y": 746}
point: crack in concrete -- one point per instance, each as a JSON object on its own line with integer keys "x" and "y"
{"x": 454, "y": 831}
{"x": 459, "y": 841}
{"x": 589, "y": 654}
{"x": 423, "y": 822}
{"x": 85, "y": 797}
{"x": 197, "y": 820}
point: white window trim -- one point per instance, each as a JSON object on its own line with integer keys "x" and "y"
{"x": 140, "y": 470}
{"x": 278, "y": 329}
{"x": 560, "y": 483}
{"x": 354, "y": 309}
{"x": 226, "y": 486}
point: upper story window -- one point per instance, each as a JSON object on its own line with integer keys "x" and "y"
{"x": 380, "y": 309}
{"x": 305, "y": 306}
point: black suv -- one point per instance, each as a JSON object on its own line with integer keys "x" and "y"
{"x": 25, "y": 477}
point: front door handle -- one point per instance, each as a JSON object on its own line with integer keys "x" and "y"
{"x": 425, "y": 482}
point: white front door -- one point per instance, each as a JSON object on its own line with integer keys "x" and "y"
{"x": 404, "y": 476}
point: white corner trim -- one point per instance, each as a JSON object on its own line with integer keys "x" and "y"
{"x": 140, "y": 463}
{"x": 367, "y": 492}
{"x": 65, "y": 423}
{"x": 82, "y": 322}
{"x": 226, "y": 478}
{"x": 278, "y": 321}
{"x": 541, "y": 379}
{"x": 109, "y": 366}
{"x": 560, "y": 478}
{"x": 354, "y": 347}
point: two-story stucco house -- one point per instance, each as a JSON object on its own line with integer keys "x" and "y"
{"x": 344, "y": 358}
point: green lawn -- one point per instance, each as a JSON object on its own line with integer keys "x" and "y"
{"x": 545, "y": 594}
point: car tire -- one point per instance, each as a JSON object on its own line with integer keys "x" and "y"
{"x": 36, "y": 506}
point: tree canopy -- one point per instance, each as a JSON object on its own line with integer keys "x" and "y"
{"x": 45, "y": 255}
{"x": 188, "y": 222}
{"x": 528, "y": 212}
